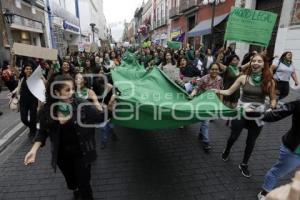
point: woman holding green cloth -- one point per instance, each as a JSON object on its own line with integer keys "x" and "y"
{"x": 231, "y": 73}
{"x": 256, "y": 84}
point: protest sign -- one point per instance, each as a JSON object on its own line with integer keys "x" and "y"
{"x": 174, "y": 45}
{"x": 250, "y": 26}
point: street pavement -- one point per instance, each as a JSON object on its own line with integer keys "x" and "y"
{"x": 156, "y": 165}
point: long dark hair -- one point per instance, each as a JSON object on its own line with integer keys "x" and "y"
{"x": 266, "y": 73}
{"x": 281, "y": 59}
{"x": 28, "y": 63}
{"x": 164, "y": 61}
{"x": 56, "y": 83}
{"x": 230, "y": 59}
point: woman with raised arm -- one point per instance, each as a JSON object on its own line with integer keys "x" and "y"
{"x": 256, "y": 84}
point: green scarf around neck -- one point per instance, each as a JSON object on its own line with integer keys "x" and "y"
{"x": 286, "y": 62}
{"x": 256, "y": 78}
{"x": 64, "y": 108}
{"x": 83, "y": 93}
{"x": 234, "y": 69}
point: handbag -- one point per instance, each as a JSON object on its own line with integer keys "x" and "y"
{"x": 14, "y": 103}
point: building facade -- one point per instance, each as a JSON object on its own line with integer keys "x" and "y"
{"x": 64, "y": 24}
{"x": 28, "y": 23}
{"x": 91, "y": 11}
{"x": 160, "y": 33}
{"x": 288, "y": 35}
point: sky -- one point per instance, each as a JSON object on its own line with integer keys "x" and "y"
{"x": 117, "y": 11}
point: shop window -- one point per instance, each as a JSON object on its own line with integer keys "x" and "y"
{"x": 295, "y": 19}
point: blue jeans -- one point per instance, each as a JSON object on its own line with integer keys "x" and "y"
{"x": 204, "y": 126}
{"x": 287, "y": 162}
{"x": 105, "y": 131}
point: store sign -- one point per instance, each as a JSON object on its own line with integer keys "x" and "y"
{"x": 174, "y": 33}
{"x": 71, "y": 27}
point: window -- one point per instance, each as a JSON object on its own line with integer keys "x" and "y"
{"x": 295, "y": 19}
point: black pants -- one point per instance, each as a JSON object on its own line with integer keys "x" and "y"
{"x": 31, "y": 109}
{"x": 77, "y": 175}
{"x": 283, "y": 89}
{"x": 253, "y": 132}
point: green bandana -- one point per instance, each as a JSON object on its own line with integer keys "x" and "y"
{"x": 234, "y": 69}
{"x": 287, "y": 63}
{"x": 297, "y": 150}
{"x": 56, "y": 67}
{"x": 64, "y": 108}
{"x": 82, "y": 93}
{"x": 256, "y": 79}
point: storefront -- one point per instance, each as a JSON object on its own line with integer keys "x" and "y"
{"x": 65, "y": 29}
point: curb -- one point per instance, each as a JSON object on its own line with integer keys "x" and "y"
{"x": 15, "y": 132}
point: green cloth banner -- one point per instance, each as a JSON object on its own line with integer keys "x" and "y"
{"x": 174, "y": 45}
{"x": 250, "y": 26}
{"x": 149, "y": 100}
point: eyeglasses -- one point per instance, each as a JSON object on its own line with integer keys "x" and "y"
{"x": 212, "y": 69}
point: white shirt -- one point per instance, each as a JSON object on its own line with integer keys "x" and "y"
{"x": 210, "y": 60}
{"x": 283, "y": 72}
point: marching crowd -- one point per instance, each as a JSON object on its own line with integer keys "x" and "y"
{"x": 254, "y": 80}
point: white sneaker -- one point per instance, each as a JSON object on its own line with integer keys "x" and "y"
{"x": 261, "y": 197}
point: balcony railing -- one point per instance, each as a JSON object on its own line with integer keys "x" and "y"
{"x": 163, "y": 21}
{"x": 174, "y": 12}
{"x": 158, "y": 23}
{"x": 188, "y": 5}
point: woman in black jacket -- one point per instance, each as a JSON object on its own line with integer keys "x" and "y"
{"x": 69, "y": 122}
{"x": 28, "y": 102}
{"x": 289, "y": 155}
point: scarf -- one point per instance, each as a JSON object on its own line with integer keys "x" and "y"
{"x": 82, "y": 93}
{"x": 287, "y": 63}
{"x": 64, "y": 108}
{"x": 234, "y": 69}
{"x": 256, "y": 78}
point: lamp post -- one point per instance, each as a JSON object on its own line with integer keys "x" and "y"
{"x": 93, "y": 30}
{"x": 213, "y": 4}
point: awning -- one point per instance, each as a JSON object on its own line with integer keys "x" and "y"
{"x": 204, "y": 27}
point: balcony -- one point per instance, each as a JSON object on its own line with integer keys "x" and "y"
{"x": 189, "y": 5}
{"x": 174, "y": 12}
{"x": 163, "y": 21}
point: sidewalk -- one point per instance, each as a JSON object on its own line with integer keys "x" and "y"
{"x": 10, "y": 124}
{"x": 154, "y": 165}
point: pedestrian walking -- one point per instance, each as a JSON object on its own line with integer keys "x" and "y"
{"x": 72, "y": 145}
{"x": 289, "y": 153}
{"x": 28, "y": 103}
{"x": 207, "y": 82}
{"x": 283, "y": 70}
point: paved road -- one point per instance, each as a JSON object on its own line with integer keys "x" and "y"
{"x": 161, "y": 165}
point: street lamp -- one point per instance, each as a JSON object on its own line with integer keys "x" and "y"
{"x": 213, "y": 4}
{"x": 93, "y": 30}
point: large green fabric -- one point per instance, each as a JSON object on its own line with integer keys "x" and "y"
{"x": 149, "y": 100}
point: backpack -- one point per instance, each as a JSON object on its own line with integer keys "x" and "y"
{"x": 7, "y": 75}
